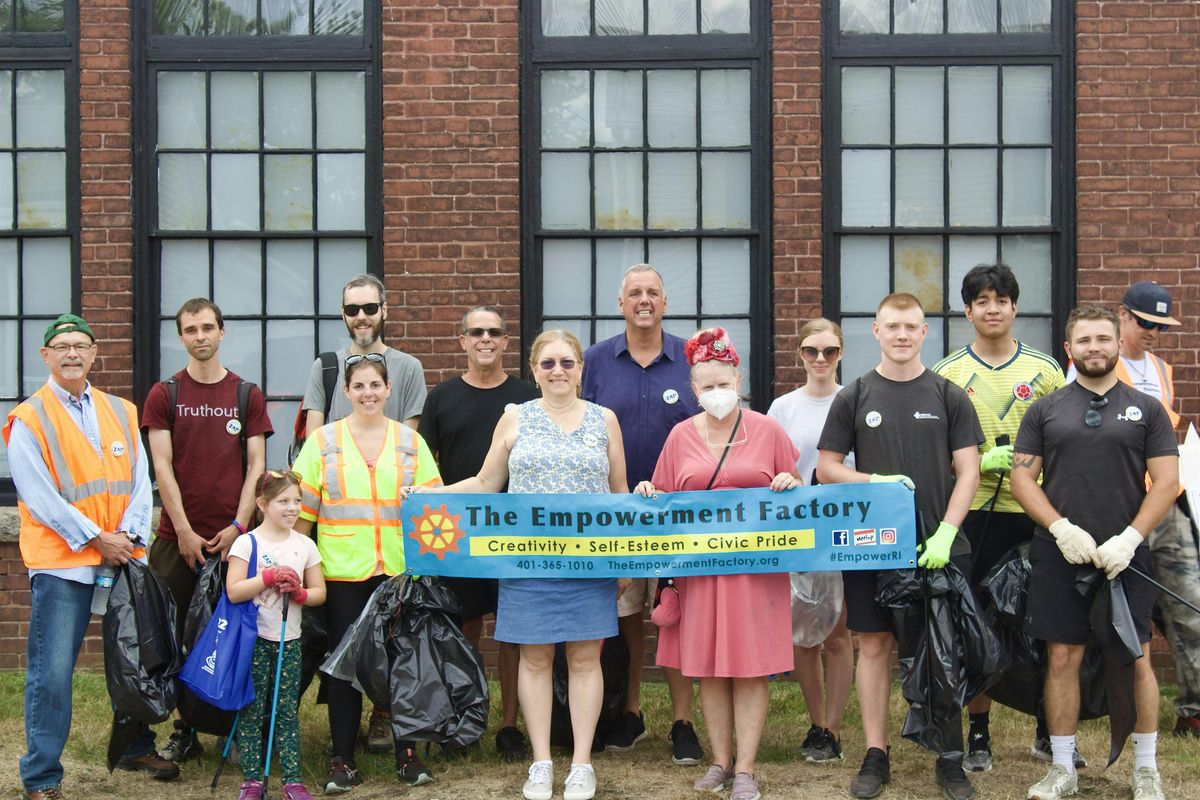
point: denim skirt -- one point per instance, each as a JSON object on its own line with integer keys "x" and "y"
{"x": 551, "y": 610}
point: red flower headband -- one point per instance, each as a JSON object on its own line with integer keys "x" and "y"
{"x": 710, "y": 345}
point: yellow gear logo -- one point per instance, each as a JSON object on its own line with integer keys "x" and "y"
{"x": 436, "y": 531}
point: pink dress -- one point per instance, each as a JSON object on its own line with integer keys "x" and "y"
{"x": 730, "y": 626}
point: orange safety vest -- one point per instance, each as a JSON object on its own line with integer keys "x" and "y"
{"x": 99, "y": 488}
{"x": 1165, "y": 380}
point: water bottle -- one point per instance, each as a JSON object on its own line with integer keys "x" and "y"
{"x": 103, "y": 585}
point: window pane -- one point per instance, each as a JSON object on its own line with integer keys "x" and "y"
{"x": 862, "y": 351}
{"x": 242, "y": 349}
{"x": 725, "y": 197}
{"x": 724, "y": 16}
{"x": 739, "y": 334}
{"x": 46, "y": 268}
{"x": 1025, "y": 16}
{"x": 967, "y": 252}
{"x": 934, "y": 347}
{"x": 331, "y": 333}
{"x": 235, "y": 192}
{"x": 9, "y": 383}
{"x": 338, "y": 260}
{"x": 671, "y": 107}
{"x": 1030, "y": 260}
{"x": 564, "y": 205}
{"x": 566, "y": 121}
{"x": 287, "y": 109}
{"x": 1036, "y": 332}
{"x": 725, "y": 107}
{"x": 672, "y": 17}
{"x": 6, "y": 131}
{"x": 725, "y": 288}
{"x": 171, "y": 356}
{"x": 618, "y": 191}
{"x": 40, "y": 116}
{"x": 918, "y": 264}
{"x": 617, "y": 109}
{"x": 34, "y": 376}
{"x": 864, "y": 272}
{"x": 672, "y": 191}
{"x": 178, "y": 18}
{"x": 233, "y": 18}
{"x": 613, "y": 257}
{"x": 281, "y": 414}
{"x": 286, "y": 338}
{"x": 181, "y": 107}
{"x": 567, "y": 277}
{"x": 182, "y": 195}
{"x": 675, "y": 260}
{"x": 338, "y": 17}
{"x": 237, "y": 276}
{"x": 864, "y": 16}
{"x": 289, "y": 277}
{"x": 866, "y": 188}
{"x": 5, "y": 27}
{"x": 972, "y": 187}
{"x": 566, "y": 17}
{"x": 285, "y": 17}
{"x": 341, "y": 191}
{"x": 582, "y": 329}
{"x": 8, "y": 278}
{"x": 919, "y": 188}
{"x": 971, "y": 16}
{"x": 41, "y": 190}
{"x": 40, "y": 16}
{"x": 618, "y": 17}
{"x": 6, "y": 191}
{"x": 918, "y": 105}
{"x": 183, "y": 274}
{"x": 1027, "y": 105}
{"x": 972, "y": 105}
{"x": 866, "y": 105}
{"x": 918, "y": 16}
{"x": 1027, "y": 187}
{"x": 287, "y": 192}
{"x": 341, "y": 101}
{"x": 234, "y": 110}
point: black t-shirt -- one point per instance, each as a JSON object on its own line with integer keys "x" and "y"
{"x": 909, "y": 428}
{"x": 459, "y": 419}
{"x": 1095, "y": 477}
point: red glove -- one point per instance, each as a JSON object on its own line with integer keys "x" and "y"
{"x": 299, "y": 595}
{"x": 270, "y": 576}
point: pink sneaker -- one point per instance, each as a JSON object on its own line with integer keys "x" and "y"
{"x": 250, "y": 790}
{"x": 295, "y": 791}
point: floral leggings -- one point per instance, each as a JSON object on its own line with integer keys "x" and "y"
{"x": 252, "y": 724}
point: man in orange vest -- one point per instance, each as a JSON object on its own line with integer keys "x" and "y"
{"x": 83, "y": 491}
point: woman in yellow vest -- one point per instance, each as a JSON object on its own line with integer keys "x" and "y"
{"x": 351, "y": 472}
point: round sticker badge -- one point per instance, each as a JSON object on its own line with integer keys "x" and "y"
{"x": 590, "y": 440}
{"x": 874, "y": 419}
{"x": 233, "y": 427}
{"x": 1022, "y": 390}
{"x": 670, "y": 397}
{"x": 117, "y": 448}
{"x": 1133, "y": 413}
{"x": 266, "y": 559}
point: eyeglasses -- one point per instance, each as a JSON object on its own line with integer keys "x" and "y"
{"x": 374, "y": 358}
{"x": 352, "y": 309}
{"x": 281, "y": 473}
{"x": 811, "y": 353}
{"x": 78, "y": 348}
{"x": 1147, "y": 325}
{"x": 477, "y": 333}
{"x": 1092, "y": 417}
{"x": 548, "y": 364}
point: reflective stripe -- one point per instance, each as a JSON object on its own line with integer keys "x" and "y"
{"x": 66, "y": 483}
{"x": 347, "y": 510}
{"x": 330, "y": 458}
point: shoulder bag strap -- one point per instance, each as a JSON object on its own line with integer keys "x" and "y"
{"x": 736, "y": 424}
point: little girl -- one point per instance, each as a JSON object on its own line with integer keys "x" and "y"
{"x": 283, "y": 557}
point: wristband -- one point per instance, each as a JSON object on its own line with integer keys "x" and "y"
{"x": 238, "y": 526}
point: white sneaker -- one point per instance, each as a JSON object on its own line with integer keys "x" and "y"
{"x": 1147, "y": 785}
{"x": 581, "y": 783}
{"x": 1057, "y": 784}
{"x": 540, "y": 785}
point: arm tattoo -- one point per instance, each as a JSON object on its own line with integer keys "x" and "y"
{"x": 1023, "y": 461}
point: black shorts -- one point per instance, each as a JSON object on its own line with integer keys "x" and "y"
{"x": 1005, "y": 530}
{"x": 1057, "y": 612}
{"x": 476, "y": 596}
{"x": 165, "y": 562}
{"x": 863, "y": 614}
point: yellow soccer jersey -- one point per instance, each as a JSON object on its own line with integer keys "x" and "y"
{"x": 1001, "y": 396}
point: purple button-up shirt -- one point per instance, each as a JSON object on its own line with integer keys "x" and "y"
{"x": 648, "y": 401}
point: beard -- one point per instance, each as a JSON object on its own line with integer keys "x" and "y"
{"x": 1097, "y": 372}
{"x": 365, "y": 338}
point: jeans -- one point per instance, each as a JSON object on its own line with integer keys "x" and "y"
{"x": 58, "y": 619}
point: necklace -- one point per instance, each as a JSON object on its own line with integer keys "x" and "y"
{"x": 1139, "y": 374}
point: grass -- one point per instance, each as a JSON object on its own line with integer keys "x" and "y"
{"x": 644, "y": 773}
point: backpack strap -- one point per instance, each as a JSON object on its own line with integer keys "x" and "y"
{"x": 329, "y": 371}
{"x": 172, "y": 386}
{"x": 243, "y": 403}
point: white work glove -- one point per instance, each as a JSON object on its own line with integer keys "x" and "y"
{"x": 1076, "y": 544}
{"x": 1115, "y": 554}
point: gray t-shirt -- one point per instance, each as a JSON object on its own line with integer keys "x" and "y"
{"x": 909, "y": 428}
{"x": 404, "y": 372}
{"x": 1095, "y": 477}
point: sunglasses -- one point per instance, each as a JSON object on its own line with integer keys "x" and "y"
{"x": 1092, "y": 417}
{"x": 374, "y": 358}
{"x": 811, "y": 353}
{"x": 477, "y": 333}
{"x": 1147, "y": 325}
{"x": 282, "y": 473}
{"x": 352, "y": 309}
{"x": 548, "y": 364}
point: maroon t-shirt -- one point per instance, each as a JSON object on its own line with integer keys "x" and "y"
{"x": 206, "y": 447}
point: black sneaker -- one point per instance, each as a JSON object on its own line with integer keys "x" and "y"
{"x": 628, "y": 731}
{"x": 875, "y": 771}
{"x": 979, "y": 753}
{"x": 953, "y": 780}
{"x": 1042, "y": 752}
{"x": 511, "y": 745}
{"x": 182, "y": 745}
{"x": 825, "y": 748}
{"x": 810, "y": 739}
{"x": 410, "y": 769}
{"x": 685, "y": 747}
{"x": 343, "y": 776}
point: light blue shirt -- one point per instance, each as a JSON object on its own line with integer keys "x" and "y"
{"x": 38, "y": 490}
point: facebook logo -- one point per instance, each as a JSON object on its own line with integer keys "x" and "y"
{"x": 841, "y": 538}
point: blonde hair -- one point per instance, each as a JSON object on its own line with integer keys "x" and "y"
{"x": 554, "y": 335}
{"x": 820, "y": 325}
{"x": 901, "y": 301}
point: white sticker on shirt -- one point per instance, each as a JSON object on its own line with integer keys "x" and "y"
{"x": 117, "y": 448}
{"x": 874, "y": 419}
{"x": 1133, "y": 414}
{"x": 590, "y": 440}
{"x": 233, "y": 427}
{"x": 670, "y": 397}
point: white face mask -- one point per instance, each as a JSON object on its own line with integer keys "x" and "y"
{"x": 718, "y": 402}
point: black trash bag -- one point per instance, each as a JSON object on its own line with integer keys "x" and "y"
{"x": 1112, "y": 624}
{"x": 361, "y": 658}
{"x": 200, "y": 715}
{"x": 314, "y": 647}
{"x": 614, "y": 665}
{"x": 948, "y": 651}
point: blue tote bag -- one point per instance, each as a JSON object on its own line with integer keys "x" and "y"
{"x": 218, "y": 668}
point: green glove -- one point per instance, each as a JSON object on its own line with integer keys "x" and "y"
{"x": 937, "y": 547}
{"x": 907, "y": 481}
{"x": 998, "y": 459}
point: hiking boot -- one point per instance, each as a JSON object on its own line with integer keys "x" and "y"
{"x": 49, "y": 793}
{"x": 1187, "y": 726}
{"x": 410, "y": 769}
{"x": 1042, "y": 752}
{"x": 810, "y": 739}
{"x": 182, "y": 745}
{"x": 825, "y": 748}
{"x": 295, "y": 791}
{"x": 979, "y": 753}
{"x": 1057, "y": 784}
{"x": 511, "y": 745}
{"x": 953, "y": 780}
{"x": 745, "y": 787}
{"x": 235, "y": 755}
{"x": 343, "y": 776}
{"x": 581, "y": 783}
{"x": 628, "y": 731}
{"x": 379, "y": 732}
{"x": 540, "y": 784}
{"x": 716, "y": 779}
{"x": 685, "y": 747}
{"x": 250, "y": 790}
{"x": 875, "y": 771}
{"x": 158, "y": 768}
{"x": 1147, "y": 785}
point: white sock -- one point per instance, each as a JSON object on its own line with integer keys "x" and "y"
{"x": 1144, "y": 747}
{"x": 587, "y": 767}
{"x": 1063, "y": 748}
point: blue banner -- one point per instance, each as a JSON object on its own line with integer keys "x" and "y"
{"x": 850, "y": 526}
